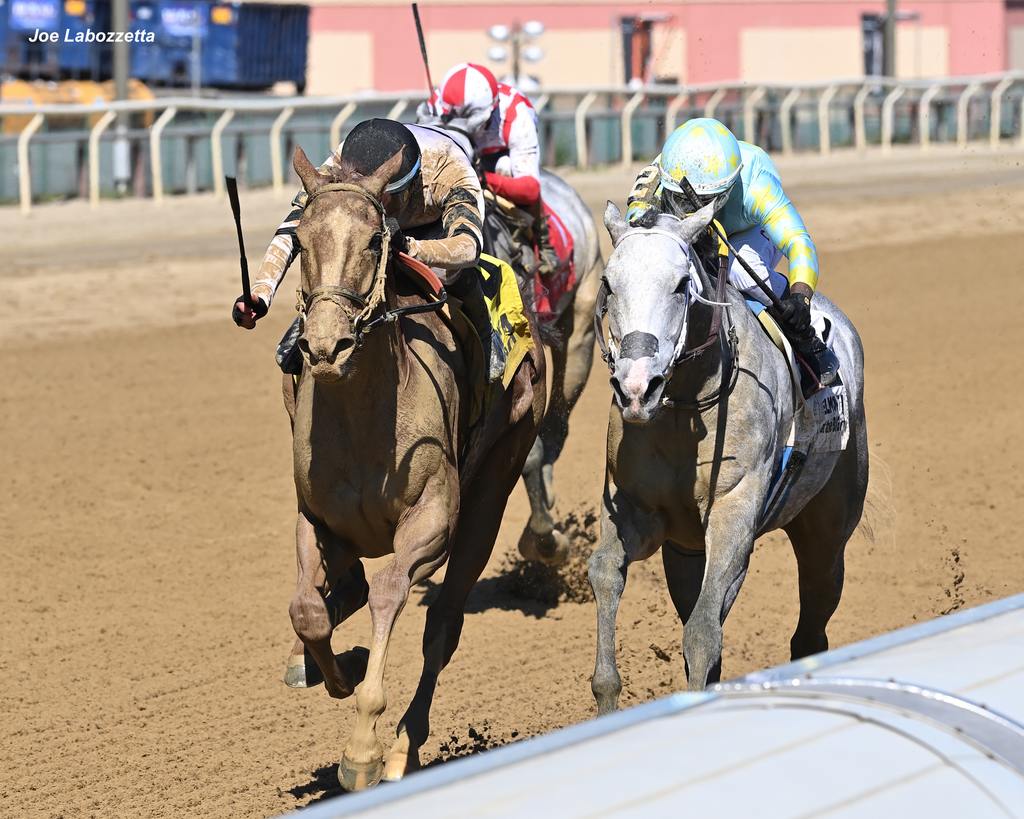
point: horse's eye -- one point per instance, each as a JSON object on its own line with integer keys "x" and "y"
{"x": 376, "y": 242}
{"x": 681, "y": 287}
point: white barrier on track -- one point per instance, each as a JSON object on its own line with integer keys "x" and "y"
{"x": 577, "y": 105}
{"x": 924, "y": 721}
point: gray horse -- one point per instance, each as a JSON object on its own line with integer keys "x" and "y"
{"x": 695, "y": 444}
{"x": 568, "y": 335}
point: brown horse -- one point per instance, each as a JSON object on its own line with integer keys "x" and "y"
{"x": 386, "y": 462}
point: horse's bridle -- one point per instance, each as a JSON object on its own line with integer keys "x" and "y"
{"x": 684, "y": 353}
{"x": 368, "y": 302}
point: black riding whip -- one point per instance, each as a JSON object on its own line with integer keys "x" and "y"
{"x": 423, "y": 47}
{"x": 232, "y": 186}
{"x": 695, "y": 203}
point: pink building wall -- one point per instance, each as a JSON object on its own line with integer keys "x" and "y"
{"x": 975, "y": 30}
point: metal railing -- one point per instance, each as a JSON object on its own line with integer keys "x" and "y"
{"x": 581, "y": 126}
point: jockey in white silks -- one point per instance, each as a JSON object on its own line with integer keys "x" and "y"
{"x": 502, "y": 124}
{"x": 761, "y": 222}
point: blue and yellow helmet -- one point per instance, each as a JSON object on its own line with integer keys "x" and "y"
{"x": 703, "y": 151}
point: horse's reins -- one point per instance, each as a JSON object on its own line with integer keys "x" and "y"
{"x": 369, "y": 301}
{"x": 685, "y": 353}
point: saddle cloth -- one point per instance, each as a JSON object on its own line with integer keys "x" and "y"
{"x": 550, "y": 292}
{"x": 821, "y": 421}
{"x": 509, "y": 324}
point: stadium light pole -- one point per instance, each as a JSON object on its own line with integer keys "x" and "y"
{"x": 889, "y": 40}
{"x": 515, "y": 36}
{"x": 119, "y": 21}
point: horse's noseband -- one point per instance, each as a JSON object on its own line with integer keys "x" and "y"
{"x": 345, "y": 297}
{"x": 683, "y": 352}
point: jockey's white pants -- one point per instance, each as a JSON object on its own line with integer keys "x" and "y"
{"x": 757, "y": 250}
{"x": 760, "y": 252}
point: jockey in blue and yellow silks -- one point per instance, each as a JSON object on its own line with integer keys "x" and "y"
{"x": 761, "y": 222}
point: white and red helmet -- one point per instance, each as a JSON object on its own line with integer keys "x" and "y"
{"x": 468, "y": 91}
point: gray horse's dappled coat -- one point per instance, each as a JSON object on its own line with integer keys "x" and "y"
{"x": 696, "y": 481}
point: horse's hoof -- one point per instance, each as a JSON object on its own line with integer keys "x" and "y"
{"x": 298, "y": 674}
{"x": 553, "y": 550}
{"x": 398, "y": 765}
{"x": 358, "y": 776}
{"x": 528, "y": 545}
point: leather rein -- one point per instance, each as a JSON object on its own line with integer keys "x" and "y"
{"x": 368, "y": 302}
{"x": 714, "y": 336}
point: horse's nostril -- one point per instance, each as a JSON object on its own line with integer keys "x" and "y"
{"x": 342, "y": 345}
{"x": 620, "y": 396}
{"x": 303, "y": 345}
{"x": 653, "y": 387}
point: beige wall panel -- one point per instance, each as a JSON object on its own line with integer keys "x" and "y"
{"x": 571, "y": 57}
{"x": 669, "y": 50}
{"x": 339, "y": 62}
{"x": 581, "y": 57}
{"x": 800, "y": 54}
{"x": 446, "y": 48}
{"x": 1016, "y": 51}
{"x": 922, "y": 51}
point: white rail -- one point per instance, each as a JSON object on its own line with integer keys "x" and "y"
{"x": 807, "y": 106}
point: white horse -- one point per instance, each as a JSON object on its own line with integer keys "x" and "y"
{"x": 695, "y": 443}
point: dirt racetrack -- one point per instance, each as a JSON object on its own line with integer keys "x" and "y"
{"x": 146, "y": 513}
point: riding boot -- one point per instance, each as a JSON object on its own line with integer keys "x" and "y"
{"x": 548, "y": 262}
{"x": 289, "y": 359}
{"x": 816, "y": 353}
{"x": 466, "y": 287}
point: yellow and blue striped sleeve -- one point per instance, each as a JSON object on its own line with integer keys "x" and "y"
{"x": 767, "y": 205}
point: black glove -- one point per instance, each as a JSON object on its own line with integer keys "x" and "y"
{"x": 259, "y": 307}
{"x": 645, "y": 218}
{"x": 794, "y": 313}
{"x": 399, "y": 242}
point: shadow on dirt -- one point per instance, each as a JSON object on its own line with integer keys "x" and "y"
{"x": 322, "y": 785}
{"x": 531, "y": 587}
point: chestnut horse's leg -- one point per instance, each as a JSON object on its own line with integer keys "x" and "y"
{"x": 471, "y": 548}
{"x": 314, "y": 615}
{"x": 420, "y": 548}
{"x": 570, "y": 367}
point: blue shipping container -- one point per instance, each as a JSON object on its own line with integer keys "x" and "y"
{"x": 86, "y": 60}
{"x": 24, "y": 18}
{"x": 178, "y": 25}
{"x": 256, "y": 45}
{"x": 240, "y": 45}
{"x": 65, "y": 58}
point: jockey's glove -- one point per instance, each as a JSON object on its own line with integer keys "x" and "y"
{"x": 399, "y": 241}
{"x": 643, "y": 217}
{"x": 259, "y": 307}
{"x": 794, "y": 313}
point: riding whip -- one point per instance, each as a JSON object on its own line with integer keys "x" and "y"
{"x": 232, "y": 186}
{"x": 695, "y": 203}
{"x": 423, "y": 48}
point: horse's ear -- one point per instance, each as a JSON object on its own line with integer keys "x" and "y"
{"x": 310, "y": 176}
{"x": 690, "y": 227}
{"x": 614, "y": 222}
{"x": 378, "y": 180}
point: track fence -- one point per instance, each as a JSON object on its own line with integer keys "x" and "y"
{"x": 180, "y": 145}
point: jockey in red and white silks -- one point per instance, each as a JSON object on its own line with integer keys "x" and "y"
{"x": 502, "y": 124}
